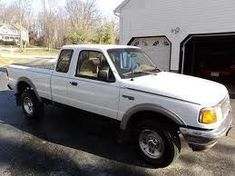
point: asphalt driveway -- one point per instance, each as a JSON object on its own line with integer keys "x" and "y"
{"x": 66, "y": 142}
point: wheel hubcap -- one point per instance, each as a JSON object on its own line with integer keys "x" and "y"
{"x": 28, "y": 105}
{"x": 151, "y": 144}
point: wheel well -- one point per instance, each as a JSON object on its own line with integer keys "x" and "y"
{"x": 22, "y": 85}
{"x": 153, "y": 116}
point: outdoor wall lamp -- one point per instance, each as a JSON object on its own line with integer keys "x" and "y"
{"x": 175, "y": 30}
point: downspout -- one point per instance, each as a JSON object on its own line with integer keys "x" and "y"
{"x": 118, "y": 15}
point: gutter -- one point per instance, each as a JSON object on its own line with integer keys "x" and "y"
{"x": 116, "y": 13}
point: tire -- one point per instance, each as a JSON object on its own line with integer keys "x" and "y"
{"x": 157, "y": 144}
{"x": 31, "y": 106}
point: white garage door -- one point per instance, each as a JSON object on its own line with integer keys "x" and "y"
{"x": 158, "y": 48}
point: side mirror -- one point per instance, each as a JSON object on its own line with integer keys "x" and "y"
{"x": 104, "y": 74}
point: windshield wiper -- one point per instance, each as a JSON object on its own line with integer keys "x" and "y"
{"x": 141, "y": 72}
{"x": 157, "y": 70}
{"x": 135, "y": 73}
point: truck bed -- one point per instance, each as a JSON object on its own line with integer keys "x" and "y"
{"x": 38, "y": 72}
{"x": 45, "y": 63}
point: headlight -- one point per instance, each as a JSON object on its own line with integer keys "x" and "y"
{"x": 208, "y": 116}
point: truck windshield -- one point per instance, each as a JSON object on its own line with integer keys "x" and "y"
{"x": 132, "y": 62}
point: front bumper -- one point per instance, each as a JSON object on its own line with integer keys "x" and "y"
{"x": 199, "y": 139}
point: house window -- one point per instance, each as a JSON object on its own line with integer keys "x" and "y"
{"x": 166, "y": 43}
{"x": 136, "y": 43}
{"x": 156, "y": 43}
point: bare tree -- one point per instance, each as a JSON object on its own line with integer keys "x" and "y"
{"x": 83, "y": 18}
{"x": 84, "y": 13}
{"x": 16, "y": 11}
{"x": 79, "y": 21}
{"x": 107, "y": 32}
{"x": 52, "y": 24}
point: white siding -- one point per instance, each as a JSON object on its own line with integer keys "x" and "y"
{"x": 157, "y": 17}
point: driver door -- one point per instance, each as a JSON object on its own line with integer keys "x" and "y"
{"x": 87, "y": 92}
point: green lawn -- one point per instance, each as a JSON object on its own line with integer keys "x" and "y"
{"x": 38, "y": 52}
{"x": 9, "y": 55}
{"x": 8, "y": 61}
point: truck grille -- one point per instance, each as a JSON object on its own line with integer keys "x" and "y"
{"x": 225, "y": 106}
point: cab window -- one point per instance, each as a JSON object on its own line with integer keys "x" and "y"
{"x": 90, "y": 63}
{"x": 64, "y": 60}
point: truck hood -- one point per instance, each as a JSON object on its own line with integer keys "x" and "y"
{"x": 181, "y": 87}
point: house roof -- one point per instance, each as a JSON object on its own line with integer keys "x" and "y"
{"x": 119, "y": 8}
{"x": 12, "y": 26}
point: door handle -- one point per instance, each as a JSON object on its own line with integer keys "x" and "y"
{"x": 128, "y": 97}
{"x": 74, "y": 83}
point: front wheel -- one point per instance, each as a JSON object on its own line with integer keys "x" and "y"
{"x": 158, "y": 145}
{"x": 31, "y": 106}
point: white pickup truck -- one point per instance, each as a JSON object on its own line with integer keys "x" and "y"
{"x": 122, "y": 83}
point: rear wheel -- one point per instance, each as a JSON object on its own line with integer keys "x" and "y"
{"x": 31, "y": 106}
{"x": 158, "y": 145}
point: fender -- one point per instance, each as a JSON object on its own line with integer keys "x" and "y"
{"x": 150, "y": 107}
{"x": 28, "y": 81}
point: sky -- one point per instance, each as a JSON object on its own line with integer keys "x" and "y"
{"x": 106, "y": 6}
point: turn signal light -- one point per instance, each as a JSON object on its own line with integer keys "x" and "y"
{"x": 208, "y": 116}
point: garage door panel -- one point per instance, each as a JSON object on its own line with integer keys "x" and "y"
{"x": 160, "y": 57}
{"x": 158, "y": 48}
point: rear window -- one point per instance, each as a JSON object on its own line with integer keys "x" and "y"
{"x": 64, "y": 61}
